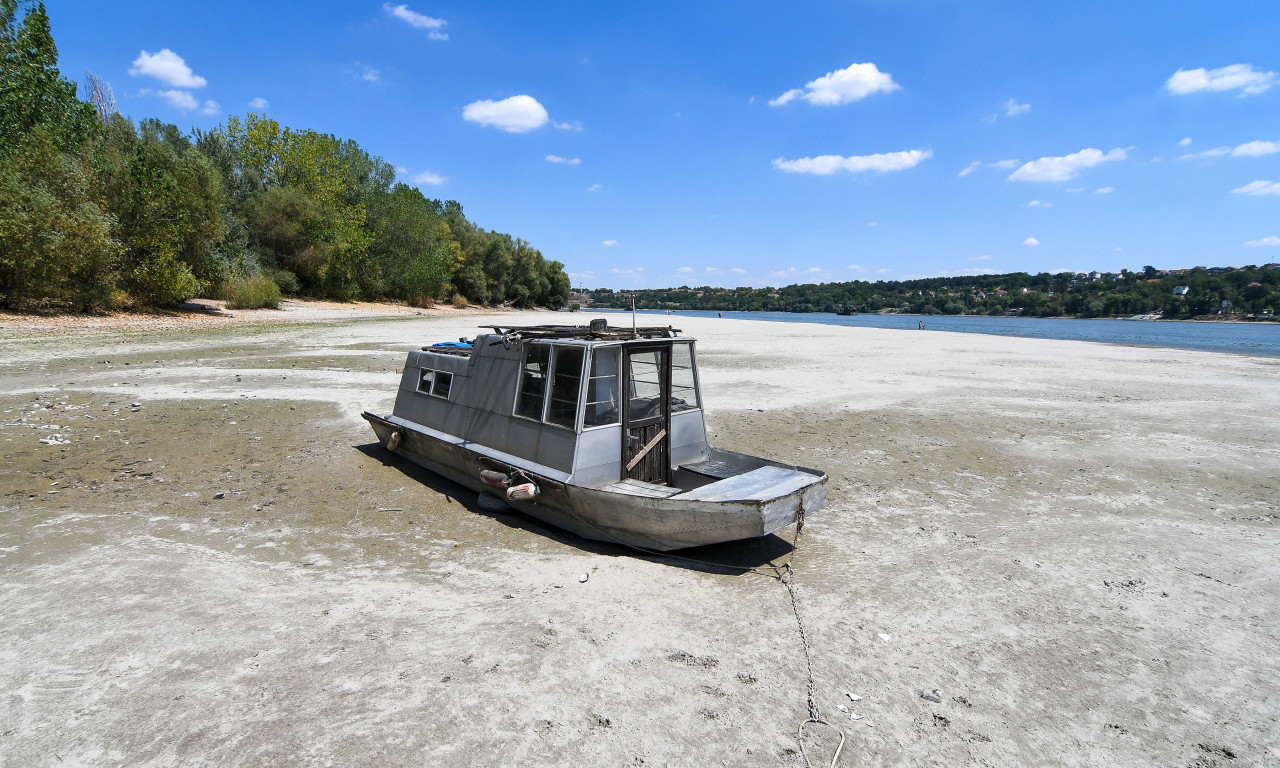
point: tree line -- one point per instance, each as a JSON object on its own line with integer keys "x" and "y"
{"x": 1198, "y": 292}
{"x": 98, "y": 212}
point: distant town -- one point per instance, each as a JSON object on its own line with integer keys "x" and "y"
{"x": 1230, "y": 293}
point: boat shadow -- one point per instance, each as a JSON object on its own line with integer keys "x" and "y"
{"x": 727, "y": 558}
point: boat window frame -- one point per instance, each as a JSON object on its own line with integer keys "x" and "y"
{"x": 594, "y": 349}
{"x": 431, "y": 377}
{"x": 693, "y": 368}
{"x": 520, "y": 374}
{"x": 575, "y": 422}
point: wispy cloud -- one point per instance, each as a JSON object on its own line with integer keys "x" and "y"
{"x": 856, "y": 268}
{"x": 1259, "y": 188}
{"x": 594, "y": 188}
{"x": 565, "y": 160}
{"x": 738, "y": 271}
{"x": 970, "y": 168}
{"x": 1104, "y": 190}
{"x": 999, "y": 165}
{"x": 176, "y": 98}
{"x": 685, "y": 271}
{"x": 571, "y": 126}
{"x": 825, "y": 165}
{"x": 1039, "y": 204}
{"x": 417, "y": 20}
{"x": 1011, "y": 108}
{"x": 363, "y": 72}
{"x": 1065, "y": 167}
{"x": 1248, "y": 149}
{"x": 259, "y": 103}
{"x": 610, "y": 243}
{"x": 1031, "y": 241}
{"x": 1265, "y": 241}
{"x": 515, "y": 114}
{"x": 211, "y": 108}
{"x": 1186, "y": 142}
{"x": 427, "y": 177}
{"x": 167, "y": 67}
{"x": 983, "y": 257}
{"x": 1236, "y": 77}
{"x": 853, "y": 83}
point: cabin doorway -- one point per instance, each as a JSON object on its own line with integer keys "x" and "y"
{"x": 646, "y": 413}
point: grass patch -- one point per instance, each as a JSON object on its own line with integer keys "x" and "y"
{"x": 252, "y": 292}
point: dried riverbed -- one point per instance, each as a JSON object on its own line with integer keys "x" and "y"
{"x": 1034, "y": 552}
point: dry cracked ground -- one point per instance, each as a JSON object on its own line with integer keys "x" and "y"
{"x": 1034, "y": 553}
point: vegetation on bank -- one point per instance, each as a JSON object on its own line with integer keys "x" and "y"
{"x": 97, "y": 212}
{"x": 1198, "y": 292}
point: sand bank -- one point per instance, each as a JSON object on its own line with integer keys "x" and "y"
{"x": 1070, "y": 546}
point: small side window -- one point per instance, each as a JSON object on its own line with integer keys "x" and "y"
{"x": 440, "y": 388}
{"x": 602, "y": 388}
{"x": 424, "y": 381}
{"x": 565, "y": 384}
{"x": 684, "y": 389}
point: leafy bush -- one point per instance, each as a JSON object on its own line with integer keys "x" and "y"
{"x": 459, "y": 302}
{"x": 287, "y": 281}
{"x": 252, "y": 292}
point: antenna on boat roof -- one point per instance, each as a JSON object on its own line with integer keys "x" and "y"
{"x": 633, "y": 313}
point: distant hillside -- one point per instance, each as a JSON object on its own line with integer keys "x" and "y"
{"x": 1182, "y": 293}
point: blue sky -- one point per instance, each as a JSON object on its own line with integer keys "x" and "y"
{"x": 658, "y": 144}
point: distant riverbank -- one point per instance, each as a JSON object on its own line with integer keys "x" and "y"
{"x": 1230, "y": 337}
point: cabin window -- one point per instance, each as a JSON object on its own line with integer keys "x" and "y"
{"x": 646, "y": 384}
{"x": 437, "y": 383}
{"x": 566, "y": 384}
{"x": 533, "y": 381}
{"x": 440, "y": 387}
{"x": 602, "y": 389}
{"x": 684, "y": 386}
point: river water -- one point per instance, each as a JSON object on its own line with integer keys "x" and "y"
{"x": 1242, "y": 338}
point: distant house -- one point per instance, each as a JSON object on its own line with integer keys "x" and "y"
{"x": 1180, "y": 290}
{"x": 1095, "y": 275}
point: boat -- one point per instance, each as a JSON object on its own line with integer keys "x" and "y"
{"x": 595, "y": 429}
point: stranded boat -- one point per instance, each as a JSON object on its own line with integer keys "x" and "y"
{"x": 594, "y": 429}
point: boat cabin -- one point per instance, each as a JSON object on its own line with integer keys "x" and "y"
{"x": 587, "y": 405}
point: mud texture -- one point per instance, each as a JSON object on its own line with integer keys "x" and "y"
{"x": 1034, "y": 553}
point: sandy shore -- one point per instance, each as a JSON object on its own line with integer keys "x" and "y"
{"x": 1034, "y": 553}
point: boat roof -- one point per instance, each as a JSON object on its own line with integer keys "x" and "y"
{"x": 596, "y": 331}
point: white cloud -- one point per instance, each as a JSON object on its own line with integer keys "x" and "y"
{"x": 825, "y": 165}
{"x": 210, "y": 108}
{"x": 854, "y": 82}
{"x": 1074, "y": 190}
{"x": 565, "y": 160}
{"x": 1104, "y": 190}
{"x": 1067, "y": 167}
{"x": 610, "y": 243}
{"x": 633, "y": 275}
{"x": 873, "y": 223}
{"x": 1241, "y": 77}
{"x": 1031, "y": 241}
{"x": 884, "y": 271}
{"x": 712, "y": 270}
{"x": 417, "y": 20}
{"x": 515, "y": 114}
{"x": 1010, "y": 108}
{"x": 574, "y": 126}
{"x": 401, "y": 170}
{"x": 684, "y": 271}
{"x": 1003, "y": 165}
{"x": 738, "y": 271}
{"x": 1264, "y": 241}
{"x": 259, "y": 103}
{"x": 970, "y": 168}
{"x": 427, "y": 177}
{"x": 180, "y": 99}
{"x": 1259, "y": 188}
{"x": 364, "y": 72}
{"x": 856, "y": 268}
{"x": 983, "y": 257}
{"x": 1185, "y": 142}
{"x": 594, "y": 188}
{"x": 167, "y": 67}
{"x": 1039, "y": 204}
{"x": 1256, "y": 149}
{"x": 814, "y": 270}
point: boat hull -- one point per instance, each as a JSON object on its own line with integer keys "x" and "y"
{"x": 613, "y": 515}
